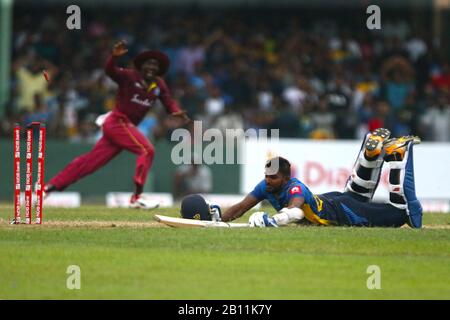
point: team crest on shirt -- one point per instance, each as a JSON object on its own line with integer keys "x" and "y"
{"x": 296, "y": 190}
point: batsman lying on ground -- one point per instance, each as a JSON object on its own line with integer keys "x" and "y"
{"x": 295, "y": 202}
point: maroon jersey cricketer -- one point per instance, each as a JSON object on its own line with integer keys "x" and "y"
{"x": 138, "y": 90}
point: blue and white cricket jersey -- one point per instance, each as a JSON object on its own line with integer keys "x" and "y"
{"x": 313, "y": 206}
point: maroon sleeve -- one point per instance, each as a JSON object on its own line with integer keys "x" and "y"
{"x": 166, "y": 98}
{"x": 114, "y": 72}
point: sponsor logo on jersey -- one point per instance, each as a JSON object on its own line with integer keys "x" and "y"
{"x": 145, "y": 102}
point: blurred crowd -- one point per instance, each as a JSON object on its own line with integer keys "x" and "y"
{"x": 309, "y": 78}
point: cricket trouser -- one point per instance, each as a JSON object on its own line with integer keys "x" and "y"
{"x": 118, "y": 134}
{"x": 351, "y": 209}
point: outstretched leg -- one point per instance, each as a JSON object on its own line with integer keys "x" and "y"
{"x": 402, "y": 193}
{"x": 353, "y": 212}
{"x": 103, "y": 151}
{"x": 367, "y": 169}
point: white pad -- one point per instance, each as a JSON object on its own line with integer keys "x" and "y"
{"x": 363, "y": 183}
{"x": 399, "y": 206}
{"x": 288, "y": 215}
{"x": 369, "y": 164}
{"x": 348, "y": 187}
{"x": 371, "y": 184}
{"x": 398, "y": 188}
{"x": 397, "y": 164}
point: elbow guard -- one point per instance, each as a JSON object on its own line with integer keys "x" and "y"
{"x": 288, "y": 215}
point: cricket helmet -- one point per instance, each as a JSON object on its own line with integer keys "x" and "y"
{"x": 163, "y": 59}
{"x": 194, "y": 206}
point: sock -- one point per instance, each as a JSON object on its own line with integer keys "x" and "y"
{"x": 139, "y": 189}
{"x": 49, "y": 188}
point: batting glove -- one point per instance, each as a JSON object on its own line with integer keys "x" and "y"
{"x": 261, "y": 219}
{"x": 216, "y": 213}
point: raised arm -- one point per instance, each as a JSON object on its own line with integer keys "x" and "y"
{"x": 240, "y": 208}
{"x": 114, "y": 72}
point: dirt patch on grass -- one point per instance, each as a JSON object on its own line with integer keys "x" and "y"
{"x": 437, "y": 226}
{"x": 92, "y": 224}
{"x": 137, "y": 224}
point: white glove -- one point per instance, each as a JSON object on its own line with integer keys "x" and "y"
{"x": 216, "y": 213}
{"x": 261, "y": 219}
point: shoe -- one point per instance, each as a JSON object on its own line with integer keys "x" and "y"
{"x": 13, "y": 221}
{"x": 48, "y": 188}
{"x": 45, "y": 192}
{"x": 139, "y": 202}
{"x": 374, "y": 144}
{"x": 396, "y": 147}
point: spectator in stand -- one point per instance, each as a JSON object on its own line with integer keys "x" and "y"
{"x": 286, "y": 121}
{"x": 435, "y": 122}
{"x": 381, "y": 117}
{"x": 441, "y": 81}
{"x": 31, "y": 81}
{"x": 250, "y": 56}
{"x": 397, "y": 74}
{"x": 39, "y": 113}
{"x": 323, "y": 120}
{"x": 192, "y": 178}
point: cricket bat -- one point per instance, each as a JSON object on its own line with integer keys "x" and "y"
{"x": 191, "y": 223}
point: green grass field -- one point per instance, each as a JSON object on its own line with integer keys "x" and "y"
{"x": 124, "y": 254}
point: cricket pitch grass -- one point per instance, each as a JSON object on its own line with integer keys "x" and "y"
{"x": 126, "y": 254}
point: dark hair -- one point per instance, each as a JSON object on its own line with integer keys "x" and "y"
{"x": 283, "y": 165}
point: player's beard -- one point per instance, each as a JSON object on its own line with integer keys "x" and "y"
{"x": 272, "y": 189}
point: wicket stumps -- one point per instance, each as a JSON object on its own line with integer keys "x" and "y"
{"x": 29, "y": 173}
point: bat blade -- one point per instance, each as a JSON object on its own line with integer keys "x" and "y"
{"x": 191, "y": 223}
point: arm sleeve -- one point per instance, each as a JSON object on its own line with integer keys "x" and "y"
{"x": 166, "y": 98}
{"x": 259, "y": 191}
{"x": 114, "y": 72}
